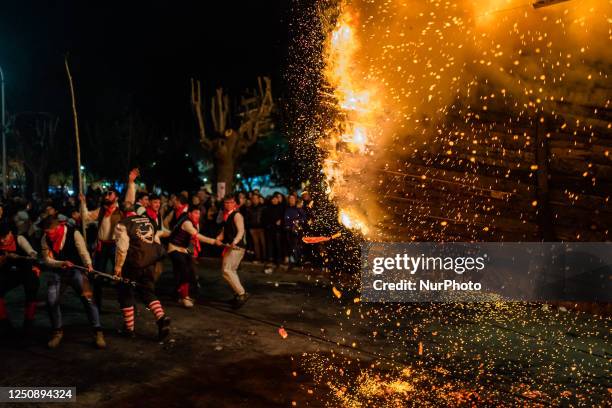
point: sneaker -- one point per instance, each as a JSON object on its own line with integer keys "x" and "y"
{"x": 99, "y": 340}
{"x": 163, "y": 326}
{"x": 187, "y": 302}
{"x": 56, "y": 339}
{"x": 240, "y": 300}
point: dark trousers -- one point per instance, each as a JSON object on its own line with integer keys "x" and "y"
{"x": 258, "y": 236}
{"x": 145, "y": 288}
{"x": 294, "y": 244}
{"x": 10, "y": 279}
{"x": 182, "y": 266}
{"x": 12, "y": 276}
{"x": 103, "y": 256}
{"x": 275, "y": 242}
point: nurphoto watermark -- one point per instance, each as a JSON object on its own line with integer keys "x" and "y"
{"x": 447, "y": 272}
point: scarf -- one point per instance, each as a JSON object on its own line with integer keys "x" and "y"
{"x": 226, "y": 214}
{"x": 56, "y": 236}
{"x": 152, "y": 214}
{"x": 110, "y": 210}
{"x": 9, "y": 244}
{"x": 179, "y": 209}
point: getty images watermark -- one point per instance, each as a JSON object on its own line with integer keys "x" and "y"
{"x": 531, "y": 271}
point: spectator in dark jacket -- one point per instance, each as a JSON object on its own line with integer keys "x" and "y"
{"x": 255, "y": 222}
{"x": 294, "y": 219}
{"x": 273, "y": 222}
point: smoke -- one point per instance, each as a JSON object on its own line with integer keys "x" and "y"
{"x": 399, "y": 69}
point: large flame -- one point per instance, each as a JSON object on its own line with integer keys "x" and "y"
{"x": 399, "y": 68}
{"x": 354, "y": 133}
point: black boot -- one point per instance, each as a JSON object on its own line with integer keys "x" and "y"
{"x": 163, "y": 326}
{"x": 240, "y": 300}
{"x": 127, "y": 333}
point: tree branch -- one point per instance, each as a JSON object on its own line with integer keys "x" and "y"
{"x": 196, "y": 103}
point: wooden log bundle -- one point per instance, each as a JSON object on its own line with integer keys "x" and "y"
{"x": 499, "y": 177}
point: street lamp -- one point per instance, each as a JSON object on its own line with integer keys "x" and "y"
{"x": 3, "y": 130}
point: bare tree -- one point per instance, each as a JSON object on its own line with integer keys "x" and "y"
{"x": 226, "y": 143}
{"x": 35, "y": 134}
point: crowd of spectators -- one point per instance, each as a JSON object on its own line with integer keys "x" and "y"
{"x": 275, "y": 224}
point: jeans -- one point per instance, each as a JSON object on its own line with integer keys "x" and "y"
{"x": 80, "y": 285}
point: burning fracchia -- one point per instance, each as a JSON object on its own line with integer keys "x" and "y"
{"x": 404, "y": 75}
{"x": 409, "y": 81}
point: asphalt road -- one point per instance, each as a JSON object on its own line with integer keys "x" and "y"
{"x": 337, "y": 352}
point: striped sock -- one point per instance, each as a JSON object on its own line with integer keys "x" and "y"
{"x": 128, "y": 317}
{"x": 156, "y": 309}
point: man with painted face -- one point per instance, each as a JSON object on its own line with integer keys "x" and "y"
{"x": 138, "y": 251}
{"x": 184, "y": 245}
{"x": 107, "y": 218}
{"x": 233, "y": 237}
{"x": 62, "y": 248}
{"x": 16, "y": 272}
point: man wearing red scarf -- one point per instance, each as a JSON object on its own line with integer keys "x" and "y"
{"x": 62, "y": 248}
{"x": 184, "y": 245}
{"x": 107, "y": 217}
{"x": 152, "y": 211}
{"x": 233, "y": 237}
{"x": 181, "y": 205}
{"x": 16, "y": 272}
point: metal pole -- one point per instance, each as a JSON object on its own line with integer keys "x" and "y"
{"x": 3, "y": 113}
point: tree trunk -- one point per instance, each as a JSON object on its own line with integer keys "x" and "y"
{"x": 38, "y": 188}
{"x": 224, "y": 164}
{"x": 37, "y": 182}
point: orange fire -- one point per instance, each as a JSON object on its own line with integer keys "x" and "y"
{"x": 398, "y": 69}
{"x": 352, "y": 137}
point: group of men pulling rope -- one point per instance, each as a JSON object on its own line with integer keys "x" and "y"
{"x": 128, "y": 237}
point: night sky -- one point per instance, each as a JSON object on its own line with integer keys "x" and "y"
{"x": 143, "y": 52}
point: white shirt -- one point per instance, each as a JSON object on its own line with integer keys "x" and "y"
{"x": 80, "y": 246}
{"x": 188, "y": 227}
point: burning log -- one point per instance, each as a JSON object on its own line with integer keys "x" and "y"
{"x": 545, "y": 3}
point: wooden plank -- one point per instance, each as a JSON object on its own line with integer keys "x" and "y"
{"x": 542, "y": 162}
